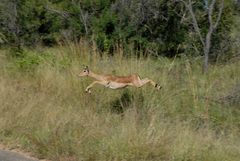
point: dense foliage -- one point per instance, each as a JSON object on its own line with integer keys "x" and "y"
{"x": 157, "y": 27}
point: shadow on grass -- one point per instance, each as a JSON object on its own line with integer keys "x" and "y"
{"x": 127, "y": 100}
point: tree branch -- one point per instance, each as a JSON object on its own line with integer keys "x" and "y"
{"x": 219, "y": 14}
{"x": 61, "y": 13}
{"x": 210, "y": 11}
{"x": 83, "y": 17}
{"x": 195, "y": 23}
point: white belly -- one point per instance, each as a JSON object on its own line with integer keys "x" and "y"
{"x": 114, "y": 85}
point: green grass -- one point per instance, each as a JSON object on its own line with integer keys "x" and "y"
{"x": 44, "y": 109}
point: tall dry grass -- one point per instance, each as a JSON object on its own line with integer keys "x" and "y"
{"x": 43, "y": 108}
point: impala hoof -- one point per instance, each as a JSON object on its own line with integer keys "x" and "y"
{"x": 158, "y": 86}
{"x": 88, "y": 91}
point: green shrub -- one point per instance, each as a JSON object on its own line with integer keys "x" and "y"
{"x": 28, "y": 62}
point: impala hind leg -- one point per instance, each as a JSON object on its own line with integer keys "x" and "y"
{"x": 142, "y": 82}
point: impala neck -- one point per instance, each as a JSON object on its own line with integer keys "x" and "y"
{"x": 94, "y": 75}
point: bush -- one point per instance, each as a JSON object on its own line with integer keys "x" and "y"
{"x": 27, "y": 62}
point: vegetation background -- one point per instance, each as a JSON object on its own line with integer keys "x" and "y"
{"x": 43, "y": 107}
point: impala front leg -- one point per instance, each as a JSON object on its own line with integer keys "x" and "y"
{"x": 87, "y": 90}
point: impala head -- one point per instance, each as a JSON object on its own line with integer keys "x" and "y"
{"x": 84, "y": 72}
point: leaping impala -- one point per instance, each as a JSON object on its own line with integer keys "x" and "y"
{"x": 116, "y": 82}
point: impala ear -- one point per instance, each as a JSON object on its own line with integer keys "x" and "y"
{"x": 86, "y": 68}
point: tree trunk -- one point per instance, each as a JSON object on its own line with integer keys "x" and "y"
{"x": 206, "y": 49}
{"x": 206, "y": 59}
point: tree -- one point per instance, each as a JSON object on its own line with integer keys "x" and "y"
{"x": 8, "y": 19}
{"x": 206, "y": 38}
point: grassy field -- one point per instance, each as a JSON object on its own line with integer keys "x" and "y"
{"x": 44, "y": 109}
